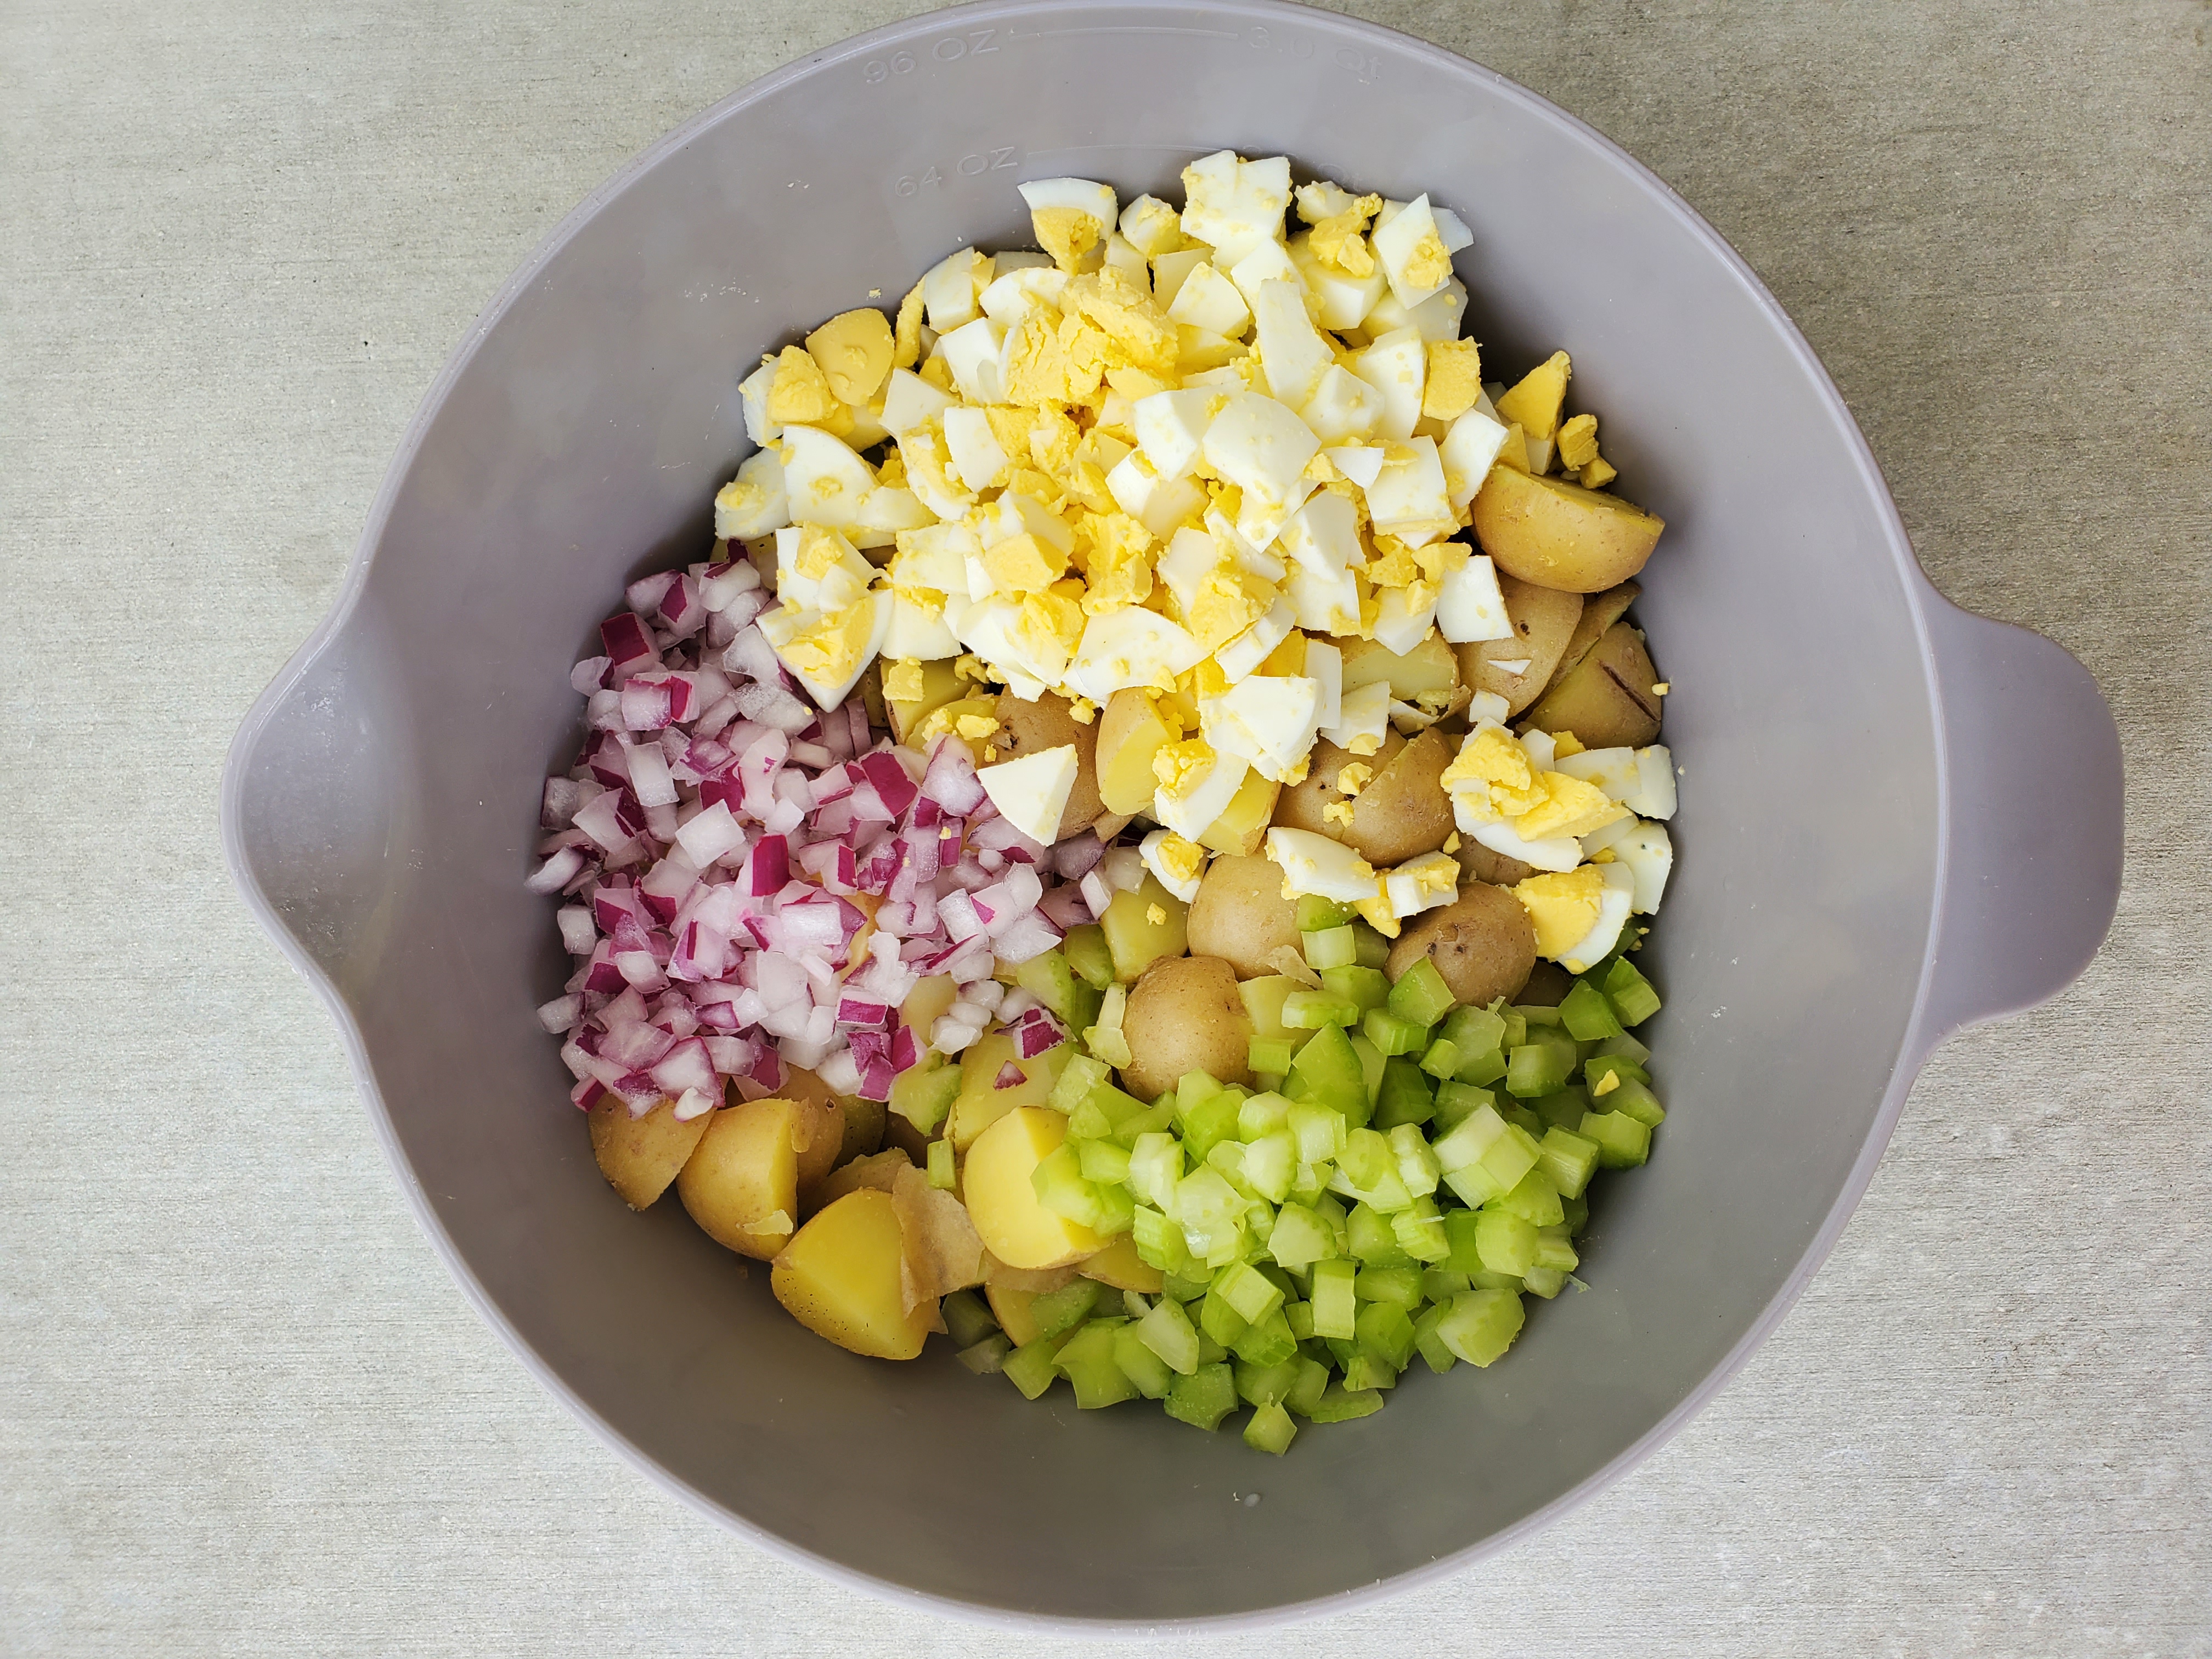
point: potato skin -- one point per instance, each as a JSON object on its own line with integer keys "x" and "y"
{"x": 1478, "y": 863}
{"x": 1544, "y": 620}
{"x": 1030, "y": 728}
{"x": 1401, "y": 813}
{"x": 1483, "y": 944}
{"x": 640, "y": 1156}
{"x": 1557, "y": 534}
{"x": 1185, "y": 1015}
{"x": 741, "y": 1181}
{"x": 1606, "y": 700}
{"x": 1241, "y": 915}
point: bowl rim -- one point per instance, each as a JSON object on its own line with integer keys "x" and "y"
{"x": 1914, "y": 1045}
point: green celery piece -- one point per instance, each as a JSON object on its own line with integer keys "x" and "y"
{"x": 1485, "y": 1279}
{"x": 1456, "y": 1102}
{"x": 1474, "y": 1134}
{"x": 1329, "y": 947}
{"x": 1362, "y": 987}
{"x": 1153, "y": 1120}
{"x": 1555, "y": 1252}
{"x": 1155, "y": 1166}
{"x": 1209, "y": 1352}
{"x": 1547, "y": 1282}
{"x": 1637, "y": 1101}
{"x": 1210, "y": 1209}
{"x": 1269, "y": 1057}
{"x": 1315, "y": 914}
{"x": 1260, "y": 1385}
{"x": 942, "y": 1174}
{"x": 1227, "y": 1156}
{"x": 988, "y": 1355}
{"x": 1266, "y": 1341}
{"x": 1194, "y": 1090}
{"x": 1279, "y": 1277}
{"x": 1317, "y": 1132}
{"x": 1443, "y": 1283}
{"x": 1420, "y": 1232}
{"x": 1533, "y": 1198}
{"x": 1374, "y": 949}
{"x": 1562, "y": 1108}
{"x": 1313, "y": 1010}
{"x": 1340, "y": 1405}
{"x": 1086, "y": 952}
{"x": 1050, "y": 979}
{"x": 1509, "y": 1157}
{"x": 1088, "y": 1121}
{"x": 1065, "y": 1309}
{"x": 1059, "y": 1187}
{"x": 1149, "y": 1374}
{"x": 1250, "y": 1293}
{"x": 1622, "y": 1142}
{"x": 1481, "y": 1325}
{"x": 1160, "y": 1242}
{"x": 1101, "y": 1161}
{"x": 924, "y": 1095}
{"x": 1429, "y": 1344}
{"x": 1117, "y": 1211}
{"x": 1030, "y": 1367}
{"x": 967, "y": 1321}
{"x": 1421, "y": 997}
{"x": 1627, "y": 1048}
{"x": 1203, "y": 1398}
{"x": 1441, "y": 1058}
{"x": 1168, "y": 1331}
{"x": 1305, "y": 1394}
{"x": 1310, "y": 1182}
{"x": 1568, "y": 1160}
{"x": 1539, "y": 1067}
{"x": 1334, "y": 1303}
{"x": 1217, "y": 1319}
{"x": 1086, "y": 1359}
{"x": 1207, "y": 1123}
{"x": 1600, "y": 1065}
{"x": 1417, "y": 1164}
{"x": 1392, "y": 1035}
{"x": 1516, "y": 1026}
{"x": 1371, "y": 1239}
{"x": 1400, "y": 1285}
{"x": 1328, "y": 1072}
{"x": 1483, "y": 1069}
{"x": 1270, "y": 1430}
{"x": 1270, "y": 1164}
{"x": 1535, "y": 1015}
{"x": 1367, "y": 1159}
{"x": 1300, "y": 1238}
{"x": 1528, "y": 1123}
{"x": 1299, "y": 1315}
{"x": 1262, "y": 1115}
{"x": 1186, "y": 1288}
{"x": 1404, "y": 1096}
{"x": 1365, "y": 1370}
{"x": 1507, "y": 1244}
{"x": 1472, "y": 1185}
{"x": 1630, "y": 993}
{"x": 1476, "y": 1030}
{"x": 1587, "y": 1015}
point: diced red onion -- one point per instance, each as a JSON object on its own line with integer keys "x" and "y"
{"x": 578, "y": 932}
{"x": 556, "y": 872}
{"x": 1011, "y": 1076}
{"x": 560, "y": 1014}
{"x": 951, "y": 780}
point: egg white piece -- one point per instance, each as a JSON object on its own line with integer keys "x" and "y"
{"x": 1397, "y": 366}
{"x": 1325, "y": 603}
{"x": 1344, "y": 300}
{"x": 1152, "y": 226}
{"x": 1032, "y": 792}
{"x": 1262, "y": 447}
{"x": 911, "y": 403}
{"x": 1437, "y": 317}
{"x": 1365, "y": 712}
{"x": 1149, "y": 849}
{"x": 752, "y": 391}
{"x": 823, "y": 480}
{"x": 918, "y": 632}
{"x": 1233, "y": 205}
{"x": 1613, "y": 906}
{"x": 1171, "y": 271}
{"x": 974, "y": 447}
{"x": 1208, "y": 300}
{"x": 1541, "y": 749}
{"x": 1325, "y": 668}
{"x": 1469, "y": 448}
{"x": 1129, "y": 647}
{"x": 1407, "y": 498}
{"x": 1613, "y": 770}
{"x": 1649, "y": 851}
{"x": 1245, "y": 653}
{"x": 1014, "y": 294}
{"x": 781, "y": 626}
{"x": 1340, "y": 406}
{"x": 975, "y": 352}
{"x": 1323, "y": 535}
{"x": 1653, "y": 797}
{"x": 1320, "y": 867}
{"x": 1395, "y": 238}
{"x": 1158, "y": 504}
{"x": 1486, "y": 708}
{"x": 1399, "y": 624}
{"x": 1471, "y": 607}
{"x": 1170, "y": 427}
{"x": 1292, "y": 350}
{"x": 1084, "y": 195}
{"x": 1269, "y": 718}
{"x": 1551, "y": 853}
{"x": 1192, "y": 813}
{"x": 986, "y": 628}
{"x": 1421, "y": 884}
{"x": 754, "y": 502}
{"x": 949, "y": 289}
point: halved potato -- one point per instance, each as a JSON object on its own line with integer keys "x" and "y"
{"x": 640, "y": 1156}
{"x": 1002, "y": 1201}
{"x": 1557, "y": 534}
{"x": 1185, "y": 1015}
{"x": 1241, "y": 915}
{"x": 741, "y": 1181}
{"x": 817, "y": 1133}
{"x": 1606, "y": 700}
{"x": 839, "y": 1277}
{"x": 1483, "y": 943}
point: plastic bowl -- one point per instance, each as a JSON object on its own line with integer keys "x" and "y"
{"x": 1872, "y": 854}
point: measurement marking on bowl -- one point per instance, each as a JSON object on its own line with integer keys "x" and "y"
{"x": 973, "y": 165}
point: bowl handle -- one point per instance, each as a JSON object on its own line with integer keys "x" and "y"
{"x": 317, "y": 800}
{"x": 2031, "y": 866}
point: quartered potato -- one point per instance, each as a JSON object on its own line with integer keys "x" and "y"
{"x": 839, "y": 1277}
{"x": 1518, "y": 667}
{"x": 1607, "y": 700}
{"x": 1184, "y": 1015}
{"x": 1002, "y": 1201}
{"x": 1241, "y": 915}
{"x": 1400, "y": 810}
{"x": 1557, "y": 534}
{"x": 640, "y": 1156}
{"x": 741, "y": 1181}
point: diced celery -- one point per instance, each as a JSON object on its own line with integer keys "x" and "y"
{"x": 1315, "y": 915}
{"x": 1340, "y": 1405}
{"x": 1270, "y": 1430}
{"x": 1049, "y": 978}
{"x": 1535, "y": 1016}
{"x": 1516, "y": 1026}
{"x": 1250, "y": 1293}
{"x": 1065, "y": 1309}
{"x": 1160, "y": 1242}
{"x": 1537, "y": 1068}
{"x": 1472, "y": 1185}
{"x": 1483, "y": 1279}
{"x": 941, "y": 1170}
{"x": 1392, "y": 1035}
{"x": 1483, "y": 1069}
{"x": 1193, "y": 1088}
{"x": 1365, "y": 1370}
{"x": 1208, "y": 1122}
{"x": 1305, "y": 1394}
{"x": 1420, "y": 996}
{"x": 1441, "y": 1058}
{"x": 1367, "y": 1160}
{"x": 1335, "y": 1307}
{"x": 1459, "y": 1229}
{"x": 1059, "y": 1187}
{"x": 1600, "y": 1066}
{"x": 1317, "y": 1131}
{"x": 1185, "y": 1287}
{"x": 1300, "y": 1238}
{"x": 1630, "y": 993}
{"x": 1327, "y": 1072}
{"x": 1310, "y": 1011}
{"x": 1476, "y": 1030}
{"x": 1547, "y": 1282}
{"x": 1329, "y": 947}
{"x": 1117, "y": 1211}
{"x": 1209, "y": 1208}
{"x": 1456, "y": 1102}
{"x": 1299, "y": 1315}
{"x": 1555, "y": 1251}
{"x": 988, "y": 1355}
{"x": 1472, "y": 1136}
{"x": 1217, "y": 1318}
{"x": 1168, "y": 1332}
{"x": 1086, "y": 952}
{"x": 1481, "y": 1325}
{"x": 1562, "y": 1108}
{"x": 1420, "y": 1232}
{"x": 1429, "y": 1344}
{"x": 1209, "y": 1352}
{"x": 1270, "y": 1163}
{"x": 1260, "y": 1385}
{"x": 1153, "y": 1120}
{"x": 1637, "y": 1101}
{"x": 1509, "y": 1157}
{"x": 1529, "y": 1124}
{"x": 1030, "y": 1367}
{"x": 1372, "y": 1239}
{"x": 1568, "y": 1160}
{"x": 1364, "y": 987}
{"x": 967, "y": 1321}
{"x": 1627, "y": 1048}
{"x": 1622, "y": 1142}
{"x": 1269, "y": 1057}
{"x": 1374, "y": 949}
{"x": 1405, "y": 1096}
{"x": 1149, "y": 1374}
{"x": 1227, "y": 1156}
{"x": 1103, "y": 1161}
{"x": 1587, "y": 1015}
{"x": 924, "y": 1094}
{"x": 1577, "y": 1212}
{"x": 1441, "y": 1284}
{"x": 1533, "y": 1198}
{"x": 1417, "y": 1164}
{"x": 1402, "y": 1286}
{"x": 1507, "y": 1244}
{"x": 1310, "y": 1182}
{"x": 1268, "y": 1341}
{"x": 1155, "y": 1166}
{"x": 1262, "y": 1115}
{"x": 1080, "y": 1075}
{"x": 1203, "y": 1398}
{"x": 1279, "y": 1277}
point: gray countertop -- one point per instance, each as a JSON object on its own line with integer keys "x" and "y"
{"x": 242, "y": 1408}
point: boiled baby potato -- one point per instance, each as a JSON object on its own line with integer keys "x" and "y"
{"x": 741, "y": 1181}
{"x": 1599, "y": 612}
{"x": 1030, "y": 728}
{"x": 1134, "y": 940}
{"x": 1242, "y": 825}
{"x": 981, "y": 1102}
{"x": 1483, "y": 943}
{"x": 1427, "y": 675}
{"x": 940, "y": 686}
{"x": 1402, "y": 811}
{"x": 1547, "y": 987}
{"x": 1184, "y": 1015}
{"x": 1478, "y": 863}
{"x": 817, "y": 1133}
{"x": 1544, "y": 619}
{"x": 1241, "y": 915}
{"x": 1014, "y": 1225}
{"x": 640, "y": 1156}
{"x": 839, "y": 1277}
{"x": 1557, "y": 534}
{"x": 1131, "y": 729}
{"x": 1607, "y": 700}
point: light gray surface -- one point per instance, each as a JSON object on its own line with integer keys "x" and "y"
{"x": 244, "y": 1410}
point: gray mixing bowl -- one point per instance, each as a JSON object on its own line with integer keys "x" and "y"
{"x": 1897, "y": 817}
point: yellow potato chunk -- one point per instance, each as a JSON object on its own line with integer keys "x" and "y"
{"x": 854, "y": 349}
{"x": 1131, "y": 731}
{"x": 1133, "y": 938}
{"x": 1244, "y": 822}
{"x": 1557, "y": 534}
{"x": 1119, "y": 1266}
{"x": 741, "y": 1181}
{"x": 640, "y": 1156}
{"x": 839, "y": 1277}
{"x": 917, "y": 691}
{"x": 1015, "y": 1226}
{"x": 981, "y": 1103}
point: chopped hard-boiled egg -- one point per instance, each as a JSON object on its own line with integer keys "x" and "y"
{"x": 1178, "y": 863}
{"x": 1313, "y": 865}
{"x": 1032, "y": 792}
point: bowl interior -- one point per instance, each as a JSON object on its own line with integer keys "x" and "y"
{"x": 580, "y": 443}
